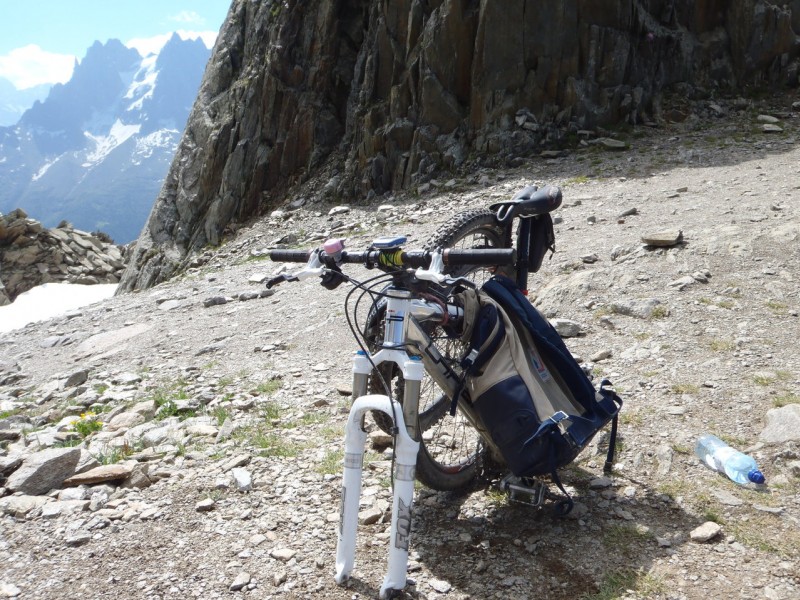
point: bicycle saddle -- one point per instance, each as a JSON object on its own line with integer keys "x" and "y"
{"x": 528, "y": 202}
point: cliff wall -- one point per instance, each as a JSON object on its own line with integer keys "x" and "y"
{"x": 390, "y": 91}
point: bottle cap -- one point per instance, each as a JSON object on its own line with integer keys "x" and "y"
{"x": 756, "y": 476}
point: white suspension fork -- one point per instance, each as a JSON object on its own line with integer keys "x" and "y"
{"x": 406, "y": 450}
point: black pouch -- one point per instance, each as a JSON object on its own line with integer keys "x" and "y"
{"x": 542, "y": 239}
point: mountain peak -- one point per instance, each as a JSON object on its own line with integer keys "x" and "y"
{"x": 96, "y": 150}
{"x": 113, "y": 53}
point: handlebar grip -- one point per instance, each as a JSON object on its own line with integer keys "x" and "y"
{"x": 300, "y": 256}
{"x": 479, "y": 256}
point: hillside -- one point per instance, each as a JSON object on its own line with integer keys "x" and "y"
{"x": 256, "y": 389}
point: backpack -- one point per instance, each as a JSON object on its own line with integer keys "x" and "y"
{"x": 538, "y": 405}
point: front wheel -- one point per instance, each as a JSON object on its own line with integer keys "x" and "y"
{"x": 451, "y": 452}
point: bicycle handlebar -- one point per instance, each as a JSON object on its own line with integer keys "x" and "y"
{"x": 290, "y": 255}
{"x": 402, "y": 258}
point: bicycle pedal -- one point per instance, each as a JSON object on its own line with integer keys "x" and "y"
{"x": 528, "y": 491}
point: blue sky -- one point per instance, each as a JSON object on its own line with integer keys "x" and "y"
{"x": 40, "y": 39}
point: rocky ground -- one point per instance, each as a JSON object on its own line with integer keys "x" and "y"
{"x": 216, "y": 412}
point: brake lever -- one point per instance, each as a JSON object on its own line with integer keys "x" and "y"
{"x": 312, "y": 269}
{"x": 435, "y": 272}
{"x": 280, "y": 279}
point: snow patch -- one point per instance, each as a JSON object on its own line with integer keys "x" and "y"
{"x": 163, "y": 138}
{"x": 40, "y": 173}
{"x": 143, "y": 84}
{"x": 51, "y": 300}
{"x": 105, "y": 144}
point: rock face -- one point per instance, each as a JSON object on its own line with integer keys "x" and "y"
{"x": 31, "y": 255}
{"x": 391, "y": 92}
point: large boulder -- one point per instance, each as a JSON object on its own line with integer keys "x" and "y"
{"x": 43, "y": 471}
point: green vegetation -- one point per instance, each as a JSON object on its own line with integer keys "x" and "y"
{"x": 763, "y": 379}
{"x": 272, "y": 444}
{"x": 618, "y": 584}
{"x": 727, "y": 304}
{"x": 253, "y": 258}
{"x": 685, "y": 388}
{"x": 718, "y": 345}
{"x": 220, "y": 414}
{"x": 660, "y": 312}
{"x": 776, "y": 306}
{"x": 270, "y": 411}
{"x": 784, "y": 399}
{"x": 681, "y": 449}
{"x": 758, "y": 532}
{"x": 115, "y": 455}
{"x": 711, "y": 515}
{"x": 224, "y": 382}
{"x": 634, "y": 418}
{"x": 267, "y": 388}
{"x": 69, "y": 443}
{"x": 578, "y": 180}
{"x": 166, "y": 399}
{"x": 768, "y": 378}
{"x": 332, "y": 432}
{"x": 87, "y": 424}
{"x": 624, "y": 538}
{"x": 331, "y": 464}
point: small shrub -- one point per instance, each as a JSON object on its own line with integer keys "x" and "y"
{"x": 270, "y": 411}
{"x": 776, "y": 306}
{"x": 267, "y": 388}
{"x": 763, "y": 379}
{"x": 721, "y": 345}
{"x": 685, "y": 388}
{"x": 784, "y": 399}
{"x": 87, "y": 424}
{"x": 619, "y": 584}
{"x": 116, "y": 455}
{"x": 220, "y": 414}
{"x": 331, "y": 464}
{"x": 103, "y": 237}
{"x": 166, "y": 409}
{"x": 660, "y": 312}
{"x": 274, "y": 445}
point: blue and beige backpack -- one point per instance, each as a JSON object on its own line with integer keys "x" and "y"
{"x": 538, "y": 405}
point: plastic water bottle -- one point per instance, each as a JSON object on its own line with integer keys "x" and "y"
{"x": 719, "y": 456}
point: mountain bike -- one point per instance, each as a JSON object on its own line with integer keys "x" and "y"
{"x": 410, "y": 348}
{"x": 509, "y": 237}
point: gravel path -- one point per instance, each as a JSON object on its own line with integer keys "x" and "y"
{"x": 698, "y": 337}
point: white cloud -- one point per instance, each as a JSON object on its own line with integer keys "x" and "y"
{"x": 153, "y": 45}
{"x": 30, "y": 65}
{"x": 188, "y": 16}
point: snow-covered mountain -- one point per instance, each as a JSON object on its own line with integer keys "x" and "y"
{"x": 97, "y": 149}
{"x": 14, "y": 102}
